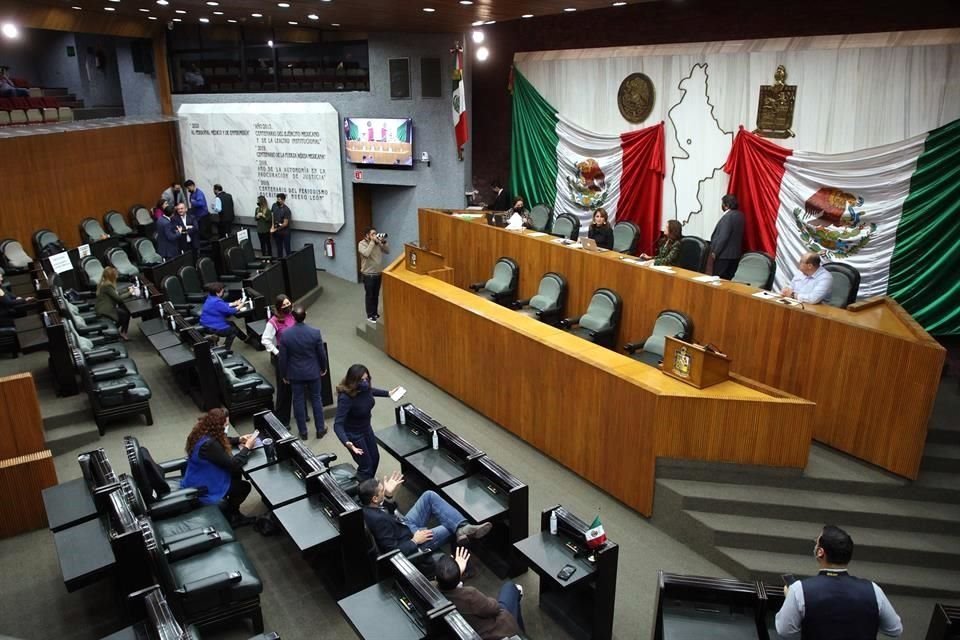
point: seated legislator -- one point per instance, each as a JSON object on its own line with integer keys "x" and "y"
{"x": 11, "y": 306}
{"x": 813, "y": 284}
{"x": 408, "y": 532}
{"x": 109, "y": 303}
{"x": 600, "y": 230}
{"x": 216, "y": 313}
{"x": 491, "y": 619}
{"x": 668, "y": 246}
{"x": 519, "y": 216}
{"x": 210, "y": 465}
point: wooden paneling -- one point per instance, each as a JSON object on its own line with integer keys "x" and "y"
{"x": 21, "y": 424}
{"x": 873, "y": 374}
{"x": 601, "y": 414}
{"x": 56, "y": 180}
{"x": 22, "y": 481}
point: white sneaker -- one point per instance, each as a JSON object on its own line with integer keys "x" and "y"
{"x": 520, "y": 589}
{"x": 372, "y": 320}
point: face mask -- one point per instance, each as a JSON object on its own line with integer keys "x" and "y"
{"x": 364, "y": 384}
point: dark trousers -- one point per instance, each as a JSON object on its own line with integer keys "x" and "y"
{"x": 283, "y": 244}
{"x": 265, "y": 248}
{"x": 371, "y": 287}
{"x": 123, "y": 319}
{"x": 236, "y": 494}
{"x": 509, "y": 599}
{"x": 285, "y": 397}
{"x": 367, "y": 463}
{"x": 725, "y": 267}
{"x": 303, "y": 389}
{"x": 229, "y": 333}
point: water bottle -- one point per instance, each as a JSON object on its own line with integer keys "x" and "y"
{"x": 143, "y": 292}
{"x": 269, "y": 313}
{"x": 173, "y": 323}
{"x": 161, "y": 311}
{"x": 436, "y": 440}
{"x": 553, "y": 522}
{"x": 403, "y": 416}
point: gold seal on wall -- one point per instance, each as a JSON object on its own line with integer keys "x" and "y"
{"x": 635, "y": 97}
{"x": 775, "y": 110}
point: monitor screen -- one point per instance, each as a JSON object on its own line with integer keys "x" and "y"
{"x": 379, "y": 141}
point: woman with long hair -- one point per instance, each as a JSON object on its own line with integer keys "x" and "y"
{"x": 600, "y": 230}
{"x": 264, "y": 219}
{"x": 280, "y": 321}
{"x": 355, "y": 400}
{"x": 668, "y": 247}
{"x": 109, "y": 302}
{"x": 211, "y": 466}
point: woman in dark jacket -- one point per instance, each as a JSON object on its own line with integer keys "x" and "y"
{"x": 211, "y": 465}
{"x": 109, "y": 303}
{"x": 600, "y": 230}
{"x": 668, "y": 247}
{"x": 355, "y": 400}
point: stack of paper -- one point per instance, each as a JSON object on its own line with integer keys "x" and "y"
{"x": 706, "y": 278}
{"x": 397, "y": 393}
{"x": 536, "y": 234}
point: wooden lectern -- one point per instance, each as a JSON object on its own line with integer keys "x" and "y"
{"x": 694, "y": 364}
{"x": 426, "y": 262}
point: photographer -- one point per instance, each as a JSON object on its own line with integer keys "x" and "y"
{"x": 371, "y": 249}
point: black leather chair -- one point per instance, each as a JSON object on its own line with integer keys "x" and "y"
{"x": 253, "y": 263}
{"x": 237, "y": 263}
{"x": 626, "y": 235}
{"x": 846, "y": 284}
{"x": 669, "y": 323}
{"x": 46, "y": 241}
{"x": 120, "y": 261}
{"x": 146, "y": 252}
{"x": 601, "y": 321}
{"x": 115, "y": 390}
{"x": 208, "y": 272}
{"x": 242, "y": 389}
{"x": 755, "y": 269}
{"x": 116, "y": 224}
{"x": 693, "y": 255}
{"x": 153, "y": 489}
{"x": 96, "y": 349}
{"x": 540, "y": 217}
{"x": 91, "y": 230}
{"x": 14, "y": 259}
{"x": 192, "y": 286}
{"x": 566, "y": 226}
{"x": 173, "y": 289}
{"x": 216, "y": 585}
{"x": 91, "y": 270}
{"x": 179, "y": 513}
{"x": 143, "y": 220}
{"x": 550, "y": 302}
{"x": 502, "y": 287}
{"x": 87, "y": 323}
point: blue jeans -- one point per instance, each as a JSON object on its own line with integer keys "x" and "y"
{"x": 367, "y": 463}
{"x": 509, "y": 599}
{"x": 283, "y": 244}
{"x": 300, "y": 408}
{"x": 430, "y": 505}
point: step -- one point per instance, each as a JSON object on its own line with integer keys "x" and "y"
{"x": 374, "y": 334}
{"x": 73, "y": 436}
{"x": 941, "y": 457}
{"x": 816, "y": 506}
{"x": 792, "y": 537}
{"x": 92, "y": 113}
{"x": 943, "y": 436}
{"x": 946, "y": 407}
{"x": 893, "y": 578}
{"x": 55, "y": 92}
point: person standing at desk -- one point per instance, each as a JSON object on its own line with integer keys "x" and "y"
{"x": 501, "y": 201}
{"x": 197, "y": 215}
{"x": 813, "y": 284}
{"x": 210, "y": 465}
{"x": 668, "y": 247}
{"x": 727, "y": 239}
{"x": 11, "y": 307}
{"x": 109, "y": 303}
{"x": 264, "y": 218}
{"x": 371, "y": 250}
{"x": 303, "y": 361}
{"x": 600, "y": 230}
{"x": 179, "y": 220}
{"x": 491, "y": 619}
{"x": 394, "y": 530}
{"x": 281, "y": 225}
{"x": 216, "y": 313}
{"x": 223, "y": 206}
{"x": 355, "y": 401}
{"x": 276, "y": 325}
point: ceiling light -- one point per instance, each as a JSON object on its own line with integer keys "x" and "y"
{"x": 466, "y": 1}
{"x": 325, "y": 0}
{"x": 619, "y": 4}
{"x": 527, "y": 15}
{"x": 256, "y": 15}
{"x": 178, "y": 19}
{"x": 218, "y": 13}
{"x": 212, "y": 3}
{"x": 77, "y": 8}
{"x": 10, "y": 30}
{"x": 114, "y": 0}
{"x": 334, "y": 24}
{"x": 477, "y": 36}
{"x": 151, "y": 17}
{"x": 483, "y": 53}
{"x": 162, "y": 3}
{"x": 232, "y": 20}
{"x": 204, "y": 20}
{"x": 429, "y": 9}
{"x": 145, "y": 10}
{"x": 570, "y": 9}
{"x": 294, "y": 22}
{"x": 490, "y": 22}
{"x": 269, "y": 43}
{"x": 313, "y": 16}
{"x": 180, "y": 11}
{"x": 283, "y": 5}
{"x": 477, "y": 23}
{"x": 109, "y": 9}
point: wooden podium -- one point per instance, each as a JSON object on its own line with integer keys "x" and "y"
{"x": 693, "y": 364}
{"x": 426, "y": 262}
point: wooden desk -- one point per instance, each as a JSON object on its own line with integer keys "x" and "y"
{"x": 600, "y": 413}
{"x": 872, "y": 373}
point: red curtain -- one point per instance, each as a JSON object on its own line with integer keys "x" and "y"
{"x": 756, "y": 168}
{"x": 641, "y": 187}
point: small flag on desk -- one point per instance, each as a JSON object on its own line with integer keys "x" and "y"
{"x": 596, "y": 536}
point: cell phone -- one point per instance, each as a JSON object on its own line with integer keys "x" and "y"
{"x": 788, "y": 579}
{"x": 565, "y": 573}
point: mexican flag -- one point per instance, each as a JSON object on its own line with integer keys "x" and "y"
{"x": 556, "y": 162}
{"x": 596, "y": 536}
{"x": 459, "y": 103}
{"x": 892, "y": 212}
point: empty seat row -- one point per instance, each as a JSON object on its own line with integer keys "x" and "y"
{"x": 33, "y": 111}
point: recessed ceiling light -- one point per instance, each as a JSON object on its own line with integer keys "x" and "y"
{"x": 293, "y": 22}
{"x": 178, "y": 19}
{"x": 429, "y": 9}
{"x": 313, "y": 16}
{"x": 204, "y": 19}
{"x": 466, "y": 1}
{"x": 619, "y": 4}
{"x": 477, "y": 23}
{"x": 77, "y": 8}
{"x": 145, "y": 10}
{"x": 114, "y": 0}
{"x": 180, "y": 11}
{"x": 490, "y": 22}
{"x": 232, "y": 20}
{"x": 151, "y": 17}
{"x": 283, "y": 5}
{"x": 325, "y": 0}
{"x": 218, "y": 13}
{"x": 477, "y": 36}
{"x": 334, "y": 24}
{"x": 483, "y": 53}
{"x": 269, "y": 43}
{"x": 256, "y": 15}
{"x": 109, "y": 9}
{"x": 162, "y": 3}
{"x": 527, "y": 15}
{"x": 570, "y": 9}
{"x": 212, "y": 3}
{"x": 10, "y": 30}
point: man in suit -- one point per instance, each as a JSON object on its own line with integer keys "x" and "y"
{"x": 174, "y": 195}
{"x": 408, "y": 532}
{"x": 491, "y": 619}
{"x": 168, "y": 235}
{"x": 197, "y": 214}
{"x": 727, "y": 239}
{"x": 223, "y": 206}
{"x": 501, "y": 202}
{"x": 302, "y": 363}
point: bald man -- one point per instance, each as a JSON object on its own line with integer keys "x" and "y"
{"x": 813, "y": 284}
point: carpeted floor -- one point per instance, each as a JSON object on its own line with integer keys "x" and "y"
{"x": 35, "y": 605}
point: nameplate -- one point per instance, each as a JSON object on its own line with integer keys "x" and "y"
{"x": 242, "y": 235}
{"x": 61, "y": 262}
{"x": 83, "y": 251}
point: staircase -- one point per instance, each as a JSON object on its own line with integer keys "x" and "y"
{"x": 762, "y": 522}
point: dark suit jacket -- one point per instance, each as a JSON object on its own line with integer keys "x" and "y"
{"x": 385, "y": 527}
{"x": 302, "y": 357}
{"x": 490, "y": 620}
{"x": 727, "y": 239}
{"x": 168, "y": 239}
{"x": 501, "y": 202}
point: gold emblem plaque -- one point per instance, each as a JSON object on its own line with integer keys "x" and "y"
{"x": 635, "y": 97}
{"x": 775, "y": 110}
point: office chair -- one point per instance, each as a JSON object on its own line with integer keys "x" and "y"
{"x": 146, "y": 252}
{"x": 44, "y": 238}
{"x": 142, "y": 217}
{"x": 173, "y": 289}
{"x": 550, "y": 301}
{"x": 601, "y": 321}
{"x": 502, "y": 287}
{"x": 116, "y": 224}
{"x": 566, "y": 226}
{"x": 626, "y": 235}
{"x": 540, "y": 217}
{"x": 191, "y": 284}
{"x": 237, "y": 263}
{"x": 15, "y": 259}
{"x": 121, "y": 262}
{"x": 208, "y": 272}
{"x": 669, "y": 323}
{"x": 91, "y": 230}
{"x": 846, "y": 284}
{"x": 693, "y": 254}
{"x": 755, "y": 269}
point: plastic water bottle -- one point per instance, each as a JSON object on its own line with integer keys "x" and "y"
{"x": 553, "y": 522}
{"x": 161, "y": 311}
{"x": 403, "y": 416}
{"x": 269, "y": 313}
{"x": 436, "y": 440}
{"x": 173, "y": 323}
{"x": 143, "y": 291}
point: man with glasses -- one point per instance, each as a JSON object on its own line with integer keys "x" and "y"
{"x": 813, "y": 284}
{"x": 833, "y": 605}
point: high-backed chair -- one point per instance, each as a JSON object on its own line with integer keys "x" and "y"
{"x": 115, "y": 392}
{"x": 540, "y": 217}
{"x": 846, "y": 284}
{"x": 675, "y": 324}
{"x": 161, "y": 493}
{"x": 192, "y": 286}
{"x": 626, "y": 235}
{"x": 14, "y": 258}
{"x": 502, "y": 286}
{"x": 46, "y": 242}
{"x": 693, "y": 253}
{"x": 121, "y": 262}
{"x": 219, "y": 584}
{"x": 208, "y": 272}
{"x": 253, "y": 263}
{"x": 601, "y": 321}
{"x": 242, "y": 389}
{"x": 237, "y": 263}
{"x": 566, "y": 226}
{"x": 550, "y": 301}
{"x": 146, "y": 252}
{"x": 116, "y": 224}
{"x": 91, "y": 230}
{"x": 143, "y": 219}
{"x": 89, "y": 324}
{"x": 173, "y": 289}
{"x": 178, "y": 513}
{"x": 92, "y": 270}
{"x": 755, "y": 269}
{"x": 95, "y": 349}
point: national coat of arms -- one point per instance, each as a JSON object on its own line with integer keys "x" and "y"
{"x": 681, "y": 363}
{"x": 587, "y": 185}
{"x": 831, "y": 225}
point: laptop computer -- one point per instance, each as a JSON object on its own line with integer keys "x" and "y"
{"x": 589, "y": 244}
{"x": 496, "y": 219}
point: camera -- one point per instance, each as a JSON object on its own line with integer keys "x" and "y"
{"x": 382, "y": 237}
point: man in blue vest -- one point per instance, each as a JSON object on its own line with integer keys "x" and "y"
{"x": 833, "y": 605}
